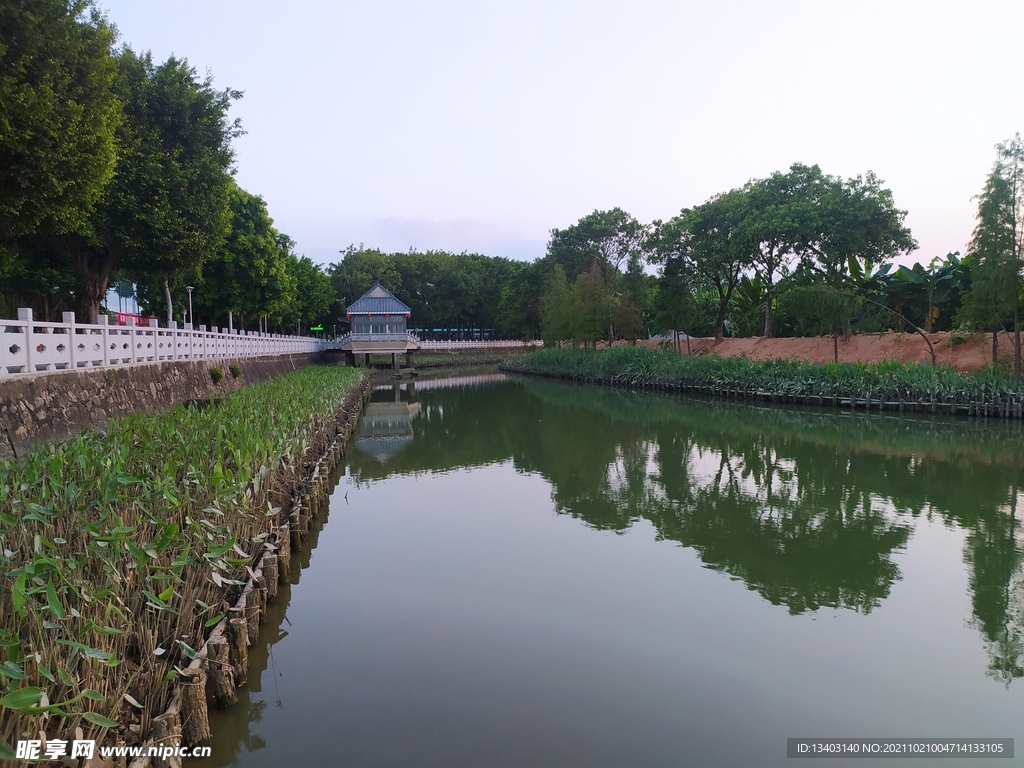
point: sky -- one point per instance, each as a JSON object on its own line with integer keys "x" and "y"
{"x": 480, "y": 126}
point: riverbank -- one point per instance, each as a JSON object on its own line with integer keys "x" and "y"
{"x": 52, "y": 405}
{"x": 125, "y": 548}
{"x": 886, "y": 385}
{"x": 964, "y": 352}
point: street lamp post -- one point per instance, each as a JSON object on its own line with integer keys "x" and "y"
{"x": 191, "y": 319}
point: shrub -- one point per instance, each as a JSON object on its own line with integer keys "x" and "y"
{"x": 216, "y": 374}
{"x": 236, "y": 370}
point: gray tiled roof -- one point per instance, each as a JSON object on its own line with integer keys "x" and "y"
{"x": 377, "y": 301}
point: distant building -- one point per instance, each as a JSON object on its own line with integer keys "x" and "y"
{"x": 378, "y": 313}
{"x": 378, "y": 326}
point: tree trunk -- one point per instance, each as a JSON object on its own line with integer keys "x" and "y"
{"x": 995, "y": 348}
{"x": 93, "y": 266}
{"x": 170, "y": 307}
{"x": 768, "y": 311}
{"x": 835, "y": 347}
{"x": 723, "y": 304}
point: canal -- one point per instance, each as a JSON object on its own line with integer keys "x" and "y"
{"x": 519, "y": 572}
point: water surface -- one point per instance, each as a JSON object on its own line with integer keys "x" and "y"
{"x": 528, "y": 573}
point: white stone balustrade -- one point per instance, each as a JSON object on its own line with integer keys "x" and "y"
{"x": 489, "y": 344}
{"x": 28, "y": 346}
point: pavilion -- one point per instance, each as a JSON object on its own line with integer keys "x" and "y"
{"x": 378, "y": 326}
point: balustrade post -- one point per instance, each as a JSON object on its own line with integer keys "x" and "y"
{"x": 69, "y": 318}
{"x": 172, "y": 327}
{"x": 103, "y": 322}
{"x": 133, "y": 339}
{"x": 25, "y": 313}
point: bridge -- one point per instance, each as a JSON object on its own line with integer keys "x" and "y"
{"x": 29, "y": 346}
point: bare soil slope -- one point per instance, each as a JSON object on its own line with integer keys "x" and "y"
{"x": 968, "y": 354}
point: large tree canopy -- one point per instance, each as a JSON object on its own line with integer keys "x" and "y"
{"x": 58, "y": 114}
{"x": 852, "y": 219}
{"x": 709, "y": 243}
{"x": 166, "y": 209}
{"x": 614, "y": 239}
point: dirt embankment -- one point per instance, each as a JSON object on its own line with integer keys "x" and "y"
{"x": 967, "y": 353}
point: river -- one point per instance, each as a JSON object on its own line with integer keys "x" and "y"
{"x": 519, "y": 572}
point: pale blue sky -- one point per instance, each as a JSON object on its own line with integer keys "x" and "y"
{"x": 481, "y": 125}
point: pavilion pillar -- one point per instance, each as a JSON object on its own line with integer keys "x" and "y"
{"x": 408, "y": 358}
{"x": 394, "y": 360}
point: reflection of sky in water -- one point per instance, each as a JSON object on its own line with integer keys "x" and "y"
{"x": 549, "y": 575}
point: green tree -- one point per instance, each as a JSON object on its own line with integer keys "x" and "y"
{"x": 996, "y": 244}
{"x": 248, "y": 274}
{"x": 58, "y": 115}
{"x": 519, "y": 305}
{"x": 846, "y": 222}
{"x": 778, "y": 211}
{"x": 674, "y": 302}
{"x": 557, "y": 308}
{"x": 359, "y": 269}
{"x": 166, "y": 209}
{"x": 314, "y": 295}
{"x": 614, "y": 239}
{"x": 592, "y": 307}
{"x": 627, "y": 318}
{"x": 709, "y": 243}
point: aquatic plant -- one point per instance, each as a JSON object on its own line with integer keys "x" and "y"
{"x": 119, "y": 548}
{"x": 888, "y": 382}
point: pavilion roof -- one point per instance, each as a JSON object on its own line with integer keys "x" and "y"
{"x": 378, "y": 301}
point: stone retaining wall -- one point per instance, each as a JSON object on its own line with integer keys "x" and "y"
{"x": 53, "y": 406}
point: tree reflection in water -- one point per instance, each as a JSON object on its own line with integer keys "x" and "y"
{"x": 806, "y": 507}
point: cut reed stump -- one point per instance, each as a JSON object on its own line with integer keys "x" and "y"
{"x": 260, "y": 586}
{"x": 270, "y": 569}
{"x": 221, "y": 672}
{"x": 166, "y": 730}
{"x": 284, "y": 550}
{"x": 252, "y": 615}
{"x": 195, "y": 720}
{"x": 238, "y": 646}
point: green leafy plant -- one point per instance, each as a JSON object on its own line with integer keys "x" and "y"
{"x": 119, "y": 546}
{"x": 235, "y": 369}
{"x": 888, "y": 381}
{"x": 216, "y": 375}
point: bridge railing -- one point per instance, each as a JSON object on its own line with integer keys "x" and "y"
{"x": 351, "y": 336}
{"x": 29, "y": 346}
{"x": 472, "y": 344}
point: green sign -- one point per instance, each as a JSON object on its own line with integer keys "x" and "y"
{"x": 316, "y": 327}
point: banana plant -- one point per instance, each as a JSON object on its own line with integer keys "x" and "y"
{"x": 933, "y": 286}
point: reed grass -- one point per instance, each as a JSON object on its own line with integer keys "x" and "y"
{"x": 887, "y": 382}
{"x": 120, "y": 548}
